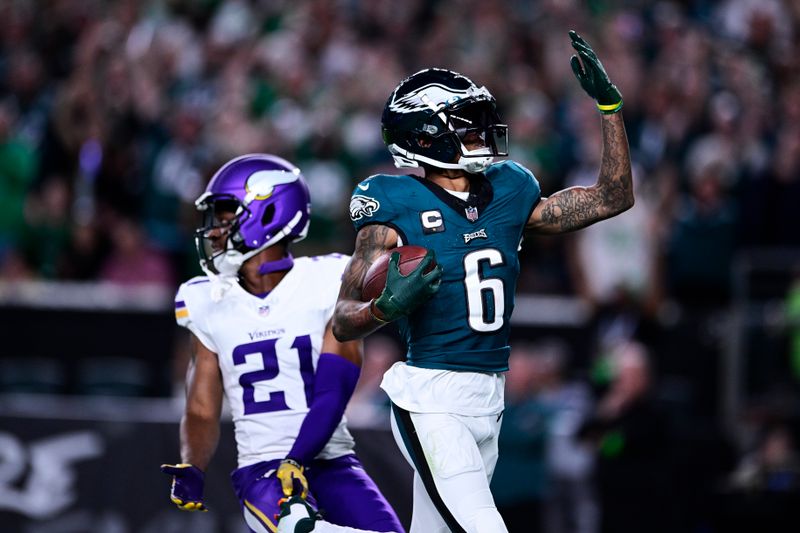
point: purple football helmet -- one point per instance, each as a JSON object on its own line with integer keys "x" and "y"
{"x": 269, "y": 199}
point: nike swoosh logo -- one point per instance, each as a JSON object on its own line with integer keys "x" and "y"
{"x": 363, "y": 186}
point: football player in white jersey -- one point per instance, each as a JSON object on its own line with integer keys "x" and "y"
{"x": 261, "y": 335}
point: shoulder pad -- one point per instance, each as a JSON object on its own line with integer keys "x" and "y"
{"x": 371, "y": 201}
{"x": 192, "y": 303}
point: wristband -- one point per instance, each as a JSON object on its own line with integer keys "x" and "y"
{"x": 374, "y": 316}
{"x": 293, "y": 462}
{"x": 609, "y": 109}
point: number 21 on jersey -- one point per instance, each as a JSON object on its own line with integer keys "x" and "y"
{"x": 269, "y": 371}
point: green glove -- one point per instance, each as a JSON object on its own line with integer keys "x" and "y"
{"x": 403, "y": 294}
{"x": 593, "y": 77}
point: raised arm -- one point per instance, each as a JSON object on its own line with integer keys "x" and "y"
{"x": 353, "y": 318}
{"x": 577, "y": 207}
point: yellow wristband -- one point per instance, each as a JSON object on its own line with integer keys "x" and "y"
{"x": 610, "y": 108}
{"x": 374, "y": 316}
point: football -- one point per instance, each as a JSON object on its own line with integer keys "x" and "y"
{"x": 375, "y": 279}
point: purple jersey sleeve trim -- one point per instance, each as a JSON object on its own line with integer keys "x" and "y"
{"x": 334, "y": 383}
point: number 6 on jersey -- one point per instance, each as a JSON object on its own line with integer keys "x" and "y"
{"x": 485, "y": 296}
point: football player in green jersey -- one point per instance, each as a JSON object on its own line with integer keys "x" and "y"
{"x": 470, "y": 213}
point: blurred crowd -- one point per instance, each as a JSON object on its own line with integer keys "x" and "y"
{"x": 609, "y": 455}
{"x": 114, "y": 115}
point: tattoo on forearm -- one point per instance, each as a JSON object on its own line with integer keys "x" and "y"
{"x": 615, "y": 182}
{"x": 351, "y": 318}
{"x": 577, "y": 207}
{"x": 370, "y": 244}
{"x": 572, "y": 208}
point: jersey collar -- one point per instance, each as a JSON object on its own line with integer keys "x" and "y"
{"x": 284, "y": 290}
{"x": 481, "y": 194}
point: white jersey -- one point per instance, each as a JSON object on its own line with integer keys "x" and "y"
{"x": 268, "y": 350}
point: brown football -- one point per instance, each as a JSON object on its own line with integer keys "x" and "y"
{"x": 375, "y": 279}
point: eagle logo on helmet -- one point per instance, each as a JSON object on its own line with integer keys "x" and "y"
{"x": 428, "y": 97}
{"x": 363, "y": 206}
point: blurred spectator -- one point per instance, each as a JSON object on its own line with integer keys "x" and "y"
{"x": 544, "y": 273}
{"x": 84, "y": 254}
{"x": 132, "y": 259}
{"x": 13, "y": 267}
{"x": 178, "y": 178}
{"x": 610, "y": 262}
{"x": 570, "y": 505}
{"x": 793, "y": 323}
{"x": 762, "y": 25}
{"x": 770, "y": 199}
{"x": 369, "y": 405}
{"x": 763, "y": 491}
{"x": 542, "y": 481}
{"x": 29, "y": 94}
{"x": 520, "y": 479}
{"x": 774, "y": 466}
{"x": 18, "y": 166}
{"x": 703, "y": 236}
{"x": 47, "y": 223}
{"x": 632, "y": 437}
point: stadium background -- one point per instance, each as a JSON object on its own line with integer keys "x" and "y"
{"x": 681, "y": 317}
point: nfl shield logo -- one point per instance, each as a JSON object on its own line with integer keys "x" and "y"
{"x": 472, "y": 213}
{"x": 263, "y": 310}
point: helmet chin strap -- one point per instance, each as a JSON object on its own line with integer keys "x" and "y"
{"x": 285, "y": 263}
{"x": 475, "y": 161}
{"x": 226, "y": 265}
{"x": 472, "y": 162}
{"x": 224, "y": 280}
{"x": 475, "y": 165}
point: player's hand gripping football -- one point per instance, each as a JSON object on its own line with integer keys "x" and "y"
{"x": 293, "y": 481}
{"x": 403, "y": 294}
{"x": 187, "y": 486}
{"x": 593, "y": 77}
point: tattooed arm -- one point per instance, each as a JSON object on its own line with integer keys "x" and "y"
{"x": 577, "y": 207}
{"x": 354, "y": 318}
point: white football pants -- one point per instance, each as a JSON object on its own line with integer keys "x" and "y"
{"x": 453, "y": 458}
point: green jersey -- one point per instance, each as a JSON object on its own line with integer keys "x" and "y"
{"x": 465, "y": 326}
